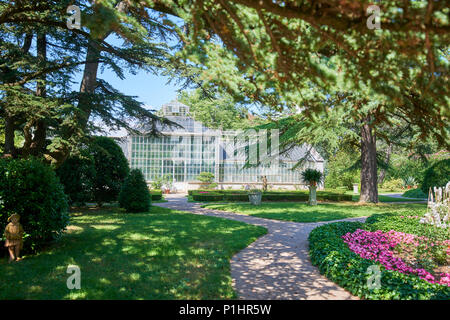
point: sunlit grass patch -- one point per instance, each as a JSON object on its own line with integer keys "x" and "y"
{"x": 163, "y": 254}
{"x": 302, "y": 212}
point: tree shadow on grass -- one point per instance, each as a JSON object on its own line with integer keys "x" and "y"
{"x": 160, "y": 255}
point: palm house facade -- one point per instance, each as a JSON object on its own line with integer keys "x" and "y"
{"x": 184, "y": 152}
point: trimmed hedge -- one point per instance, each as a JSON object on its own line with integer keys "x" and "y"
{"x": 210, "y": 196}
{"x": 338, "y": 263}
{"x": 156, "y": 195}
{"x": 240, "y": 195}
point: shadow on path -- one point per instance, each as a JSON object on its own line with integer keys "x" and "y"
{"x": 277, "y": 265}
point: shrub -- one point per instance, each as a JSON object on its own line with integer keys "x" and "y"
{"x": 414, "y": 193}
{"x": 111, "y": 168}
{"x": 97, "y": 174}
{"x": 156, "y": 195}
{"x": 338, "y": 263}
{"x": 207, "y": 196}
{"x": 32, "y": 189}
{"x": 77, "y": 175}
{"x": 134, "y": 195}
{"x": 393, "y": 184}
{"x": 207, "y": 179}
{"x": 436, "y": 176}
{"x": 157, "y": 183}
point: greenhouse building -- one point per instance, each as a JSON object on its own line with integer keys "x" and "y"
{"x": 183, "y": 152}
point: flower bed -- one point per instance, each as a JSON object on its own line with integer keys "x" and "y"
{"x": 347, "y": 265}
{"x": 380, "y": 247}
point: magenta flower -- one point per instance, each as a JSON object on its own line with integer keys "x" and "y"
{"x": 378, "y": 246}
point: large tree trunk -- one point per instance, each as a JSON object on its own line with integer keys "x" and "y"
{"x": 40, "y": 133}
{"x": 369, "y": 179}
{"x": 382, "y": 174}
{"x": 9, "y": 149}
{"x": 87, "y": 87}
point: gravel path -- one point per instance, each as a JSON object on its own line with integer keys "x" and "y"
{"x": 277, "y": 265}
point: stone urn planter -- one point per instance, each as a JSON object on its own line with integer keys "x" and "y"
{"x": 255, "y": 196}
{"x": 312, "y": 195}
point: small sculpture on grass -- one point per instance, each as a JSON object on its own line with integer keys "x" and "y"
{"x": 312, "y": 177}
{"x": 14, "y": 237}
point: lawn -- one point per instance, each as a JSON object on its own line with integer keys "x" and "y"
{"x": 302, "y": 212}
{"x": 164, "y": 254}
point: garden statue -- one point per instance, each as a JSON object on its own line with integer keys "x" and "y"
{"x": 14, "y": 237}
{"x": 264, "y": 183}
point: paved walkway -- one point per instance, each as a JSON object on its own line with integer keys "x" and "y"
{"x": 277, "y": 265}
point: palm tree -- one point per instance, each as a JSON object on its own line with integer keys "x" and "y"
{"x": 312, "y": 177}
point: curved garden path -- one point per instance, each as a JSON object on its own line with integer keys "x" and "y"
{"x": 275, "y": 266}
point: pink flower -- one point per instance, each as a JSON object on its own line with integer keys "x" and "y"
{"x": 377, "y": 246}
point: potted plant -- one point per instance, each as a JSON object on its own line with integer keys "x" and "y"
{"x": 167, "y": 183}
{"x": 255, "y": 196}
{"x": 312, "y": 177}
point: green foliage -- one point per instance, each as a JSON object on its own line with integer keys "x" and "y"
{"x": 436, "y": 176}
{"x": 206, "y": 177}
{"x": 96, "y": 174}
{"x": 207, "y": 180}
{"x": 134, "y": 195}
{"x": 156, "y": 195}
{"x": 312, "y": 176}
{"x": 397, "y": 221}
{"x": 338, "y": 263}
{"x": 157, "y": 183}
{"x": 337, "y": 172}
{"x": 219, "y": 111}
{"x": 414, "y": 193}
{"x": 403, "y": 167}
{"x": 31, "y": 189}
{"x": 393, "y": 184}
{"x": 111, "y": 168}
{"x": 77, "y": 175}
{"x": 207, "y": 196}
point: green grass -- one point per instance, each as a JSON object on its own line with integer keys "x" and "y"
{"x": 302, "y": 212}
{"x": 163, "y": 254}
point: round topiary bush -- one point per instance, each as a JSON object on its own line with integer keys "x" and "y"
{"x": 436, "y": 176}
{"x": 32, "y": 189}
{"x": 134, "y": 195}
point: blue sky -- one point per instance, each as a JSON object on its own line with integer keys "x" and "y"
{"x": 150, "y": 89}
